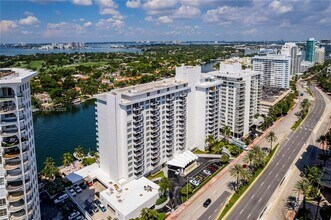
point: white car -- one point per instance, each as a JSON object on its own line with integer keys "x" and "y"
{"x": 72, "y": 192}
{"x": 78, "y": 189}
{"x": 207, "y": 172}
{"x": 73, "y": 215}
{"x": 194, "y": 182}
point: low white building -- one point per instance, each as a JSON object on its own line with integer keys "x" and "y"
{"x": 125, "y": 198}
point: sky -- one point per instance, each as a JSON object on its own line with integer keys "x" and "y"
{"x": 41, "y": 21}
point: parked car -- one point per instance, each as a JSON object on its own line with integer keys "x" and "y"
{"x": 207, "y": 203}
{"x": 102, "y": 207}
{"x": 97, "y": 202}
{"x": 77, "y": 189}
{"x": 95, "y": 208}
{"x": 73, "y": 215}
{"x": 72, "y": 192}
{"x": 194, "y": 182}
{"x": 61, "y": 198}
{"x": 83, "y": 186}
{"x": 207, "y": 172}
{"x": 89, "y": 210}
{"x": 80, "y": 217}
{"x": 89, "y": 202}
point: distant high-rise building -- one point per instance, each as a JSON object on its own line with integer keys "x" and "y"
{"x": 319, "y": 54}
{"x": 292, "y": 50}
{"x": 276, "y": 70}
{"x": 19, "y": 196}
{"x": 310, "y": 50}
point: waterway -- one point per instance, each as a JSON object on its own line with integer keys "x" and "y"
{"x": 21, "y": 51}
{"x": 59, "y": 132}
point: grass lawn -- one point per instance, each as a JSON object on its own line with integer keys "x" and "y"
{"x": 156, "y": 175}
{"x": 96, "y": 63}
{"x": 197, "y": 151}
{"x": 34, "y": 64}
{"x": 162, "y": 216}
{"x": 296, "y": 124}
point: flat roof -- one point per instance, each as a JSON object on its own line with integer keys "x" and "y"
{"x": 124, "y": 198}
{"x": 183, "y": 159}
{"x": 15, "y": 75}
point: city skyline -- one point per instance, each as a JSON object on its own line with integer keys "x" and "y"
{"x": 40, "y": 21}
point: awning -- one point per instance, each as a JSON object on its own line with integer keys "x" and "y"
{"x": 183, "y": 159}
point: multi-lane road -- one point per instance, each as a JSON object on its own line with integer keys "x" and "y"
{"x": 254, "y": 203}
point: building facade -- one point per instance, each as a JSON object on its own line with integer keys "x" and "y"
{"x": 319, "y": 55}
{"x": 293, "y": 51}
{"x": 140, "y": 128}
{"x": 19, "y": 196}
{"x": 276, "y": 70}
{"x": 310, "y": 50}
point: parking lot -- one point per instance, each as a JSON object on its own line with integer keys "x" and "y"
{"x": 91, "y": 193}
{"x": 206, "y": 168}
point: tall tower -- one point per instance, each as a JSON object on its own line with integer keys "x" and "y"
{"x": 19, "y": 196}
{"x": 310, "y": 50}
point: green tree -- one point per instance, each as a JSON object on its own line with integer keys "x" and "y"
{"x": 50, "y": 169}
{"x": 226, "y": 130}
{"x": 236, "y": 172}
{"x": 318, "y": 199}
{"x": 149, "y": 214}
{"x": 303, "y": 186}
{"x": 258, "y": 155}
{"x": 210, "y": 140}
{"x": 224, "y": 159}
{"x": 249, "y": 157}
{"x": 271, "y": 138}
{"x": 187, "y": 189}
{"x": 79, "y": 152}
{"x": 67, "y": 159}
{"x": 165, "y": 185}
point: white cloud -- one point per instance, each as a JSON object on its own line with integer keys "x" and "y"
{"x": 27, "y": 32}
{"x": 251, "y": 31}
{"x": 30, "y": 20}
{"x": 118, "y": 24}
{"x": 156, "y": 5}
{"x": 198, "y": 3}
{"x": 109, "y": 11}
{"x": 164, "y": 20}
{"x": 87, "y": 24}
{"x": 149, "y": 18}
{"x": 279, "y": 8}
{"x": 27, "y": 13}
{"x": 7, "y": 25}
{"x": 109, "y": 23}
{"x": 133, "y": 4}
{"x": 82, "y": 2}
{"x": 106, "y": 3}
{"x": 82, "y": 19}
{"x": 187, "y": 12}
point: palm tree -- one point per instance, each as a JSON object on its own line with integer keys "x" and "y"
{"x": 322, "y": 139}
{"x": 79, "y": 151}
{"x": 258, "y": 154}
{"x": 271, "y": 138}
{"x": 210, "y": 140}
{"x": 67, "y": 159}
{"x": 249, "y": 157}
{"x": 236, "y": 171}
{"x": 165, "y": 185}
{"x": 313, "y": 175}
{"x": 318, "y": 199}
{"x": 149, "y": 214}
{"x": 50, "y": 169}
{"x": 226, "y": 130}
{"x": 245, "y": 174}
{"x": 303, "y": 186}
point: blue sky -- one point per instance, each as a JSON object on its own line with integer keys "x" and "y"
{"x": 132, "y": 20}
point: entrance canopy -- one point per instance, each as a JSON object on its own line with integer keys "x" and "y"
{"x": 183, "y": 159}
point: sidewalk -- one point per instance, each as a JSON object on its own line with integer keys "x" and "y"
{"x": 278, "y": 210}
{"x": 191, "y": 209}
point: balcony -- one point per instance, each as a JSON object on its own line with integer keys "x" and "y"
{"x": 170, "y": 99}
{"x": 156, "y": 154}
{"x": 7, "y": 98}
{"x": 14, "y": 176}
{"x": 137, "y": 125}
{"x": 137, "y": 110}
{"x": 169, "y": 153}
{"x": 15, "y": 186}
{"x": 15, "y": 196}
{"x": 16, "y": 206}
{"x": 138, "y": 142}
{"x": 9, "y": 133}
{"x": 18, "y": 215}
{"x": 138, "y": 118}
{"x": 137, "y": 136}
{"x": 138, "y": 164}
{"x": 182, "y": 95}
{"x": 12, "y": 165}
{"x": 138, "y": 129}
{"x": 138, "y": 157}
{"x": 138, "y": 174}
{"x": 155, "y": 139}
{"x": 155, "y": 123}
{"x": 155, "y": 117}
{"x": 138, "y": 152}
{"x": 138, "y": 147}
{"x": 138, "y": 169}
{"x": 11, "y": 154}
{"x": 155, "y": 144}
{"x": 155, "y": 161}
{"x": 170, "y": 135}
{"x": 156, "y": 133}
{"x": 155, "y": 128}
{"x": 155, "y": 149}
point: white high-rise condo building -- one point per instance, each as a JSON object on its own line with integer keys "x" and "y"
{"x": 276, "y": 70}
{"x": 19, "y": 196}
{"x": 293, "y": 51}
{"x": 140, "y": 128}
{"x": 319, "y": 54}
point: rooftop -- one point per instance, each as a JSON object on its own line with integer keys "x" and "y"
{"x": 125, "y": 197}
{"x": 15, "y": 75}
{"x": 273, "y": 57}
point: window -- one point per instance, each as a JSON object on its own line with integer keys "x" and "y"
{"x": 2, "y": 202}
{"x": 3, "y": 212}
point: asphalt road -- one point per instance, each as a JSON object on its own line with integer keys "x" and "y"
{"x": 214, "y": 208}
{"x": 254, "y": 203}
